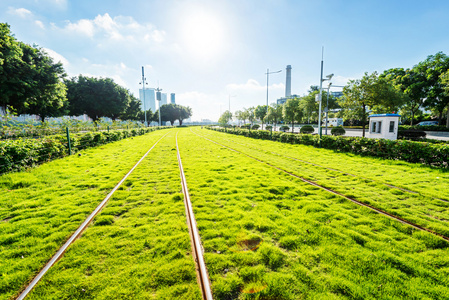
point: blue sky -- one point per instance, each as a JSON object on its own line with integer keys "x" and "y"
{"x": 205, "y": 51}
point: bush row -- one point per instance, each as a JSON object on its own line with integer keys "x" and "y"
{"x": 425, "y": 127}
{"x": 18, "y": 154}
{"x": 415, "y": 152}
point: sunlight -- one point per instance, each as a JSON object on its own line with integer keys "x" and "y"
{"x": 203, "y": 35}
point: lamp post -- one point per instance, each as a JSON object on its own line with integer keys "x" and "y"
{"x": 268, "y": 73}
{"x": 143, "y": 83}
{"x": 158, "y": 98}
{"x": 328, "y": 77}
{"x": 327, "y": 104}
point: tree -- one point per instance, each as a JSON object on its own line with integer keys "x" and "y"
{"x": 370, "y": 92}
{"x": 249, "y": 112}
{"x": 274, "y": 113}
{"x": 46, "y": 96}
{"x": 225, "y": 118}
{"x": 134, "y": 112}
{"x": 412, "y": 84}
{"x": 260, "y": 112}
{"x": 96, "y": 97}
{"x": 432, "y": 69}
{"x": 12, "y": 85}
{"x": 170, "y": 112}
{"x": 291, "y": 111}
{"x": 185, "y": 113}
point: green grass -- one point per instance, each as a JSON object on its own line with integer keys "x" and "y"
{"x": 138, "y": 247}
{"x": 310, "y": 243}
{"x": 369, "y": 183}
{"x": 41, "y": 208}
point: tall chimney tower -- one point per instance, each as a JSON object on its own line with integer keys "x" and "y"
{"x": 288, "y": 82}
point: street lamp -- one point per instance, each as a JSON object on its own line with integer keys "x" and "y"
{"x": 268, "y": 73}
{"x": 328, "y": 78}
{"x": 327, "y": 104}
{"x": 143, "y": 83}
{"x": 159, "y": 98}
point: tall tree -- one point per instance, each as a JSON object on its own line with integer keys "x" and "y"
{"x": 432, "y": 68}
{"x": 291, "y": 111}
{"x": 371, "y": 92}
{"x": 445, "y": 81}
{"x": 133, "y": 110}
{"x": 274, "y": 114}
{"x": 170, "y": 112}
{"x": 260, "y": 112}
{"x": 413, "y": 86}
{"x": 225, "y": 118}
{"x": 12, "y": 84}
{"x": 96, "y": 97}
{"x": 185, "y": 113}
{"x": 47, "y": 94}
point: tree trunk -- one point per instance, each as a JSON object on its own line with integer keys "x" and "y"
{"x": 293, "y": 125}
{"x": 363, "y": 120}
{"x": 42, "y": 119}
{"x": 413, "y": 116}
{"x": 180, "y": 122}
{"x": 440, "y": 116}
{"x": 447, "y": 117}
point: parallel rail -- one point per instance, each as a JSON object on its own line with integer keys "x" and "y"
{"x": 202, "y": 274}
{"x": 380, "y": 211}
{"x": 80, "y": 230}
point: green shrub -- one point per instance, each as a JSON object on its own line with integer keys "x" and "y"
{"x": 284, "y": 128}
{"x": 308, "y": 129}
{"x": 339, "y": 130}
{"x": 432, "y": 154}
{"x": 268, "y": 127}
{"x": 412, "y": 134}
{"x": 255, "y": 127}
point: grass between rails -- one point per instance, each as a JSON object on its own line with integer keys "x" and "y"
{"x": 415, "y": 207}
{"x": 417, "y": 177}
{"x": 138, "y": 247}
{"x": 305, "y": 242}
{"x": 41, "y": 208}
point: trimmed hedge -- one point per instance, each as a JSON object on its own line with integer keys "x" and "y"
{"x": 308, "y": 129}
{"x": 339, "y": 130}
{"x": 412, "y": 134}
{"x": 425, "y": 127}
{"x": 16, "y": 155}
{"x": 410, "y": 151}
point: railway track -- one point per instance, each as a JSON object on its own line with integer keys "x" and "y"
{"x": 335, "y": 170}
{"x": 202, "y": 274}
{"x": 380, "y": 211}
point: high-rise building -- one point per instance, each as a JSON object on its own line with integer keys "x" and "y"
{"x": 163, "y": 99}
{"x": 172, "y": 98}
{"x": 150, "y": 99}
{"x": 288, "y": 82}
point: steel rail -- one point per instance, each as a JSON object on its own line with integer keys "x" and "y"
{"x": 378, "y": 210}
{"x": 203, "y": 276}
{"x": 336, "y": 170}
{"x": 80, "y": 229}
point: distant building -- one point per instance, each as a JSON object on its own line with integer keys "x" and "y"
{"x": 282, "y": 100}
{"x": 337, "y": 94}
{"x": 172, "y": 98}
{"x": 150, "y": 99}
{"x": 163, "y": 99}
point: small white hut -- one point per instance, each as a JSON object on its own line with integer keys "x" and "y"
{"x": 384, "y": 126}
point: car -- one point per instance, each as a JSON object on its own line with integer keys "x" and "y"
{"x": 427, "y": 123}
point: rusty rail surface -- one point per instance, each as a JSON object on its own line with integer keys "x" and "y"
{"x": 80, "y": 230}
{"x": 202, "y": 274}
{"x": 380, "y": 211}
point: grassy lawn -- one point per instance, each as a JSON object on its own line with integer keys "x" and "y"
{"x": 424, "y": 203}
{"x": 268, "y": 235}
{"x": 41, "y": 208}
{"x": 138, "y": 247}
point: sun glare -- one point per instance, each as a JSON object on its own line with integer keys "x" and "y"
{"x": 203, "y": 35}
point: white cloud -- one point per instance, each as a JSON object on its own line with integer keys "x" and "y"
{"x": 20, "y": 12}
{"x": 39, "y": 24}
{"x": 252, "y": 93}
{"x": 57, "y": 57}
{"x": 116, "y": 29}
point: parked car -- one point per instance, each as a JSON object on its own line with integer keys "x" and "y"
{"x": 427, "y": 123}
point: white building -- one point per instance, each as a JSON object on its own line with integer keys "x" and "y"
{"x": 172, "y": 98}
{"x": 384, "y": 126}
{"x": 150, "y": 99}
